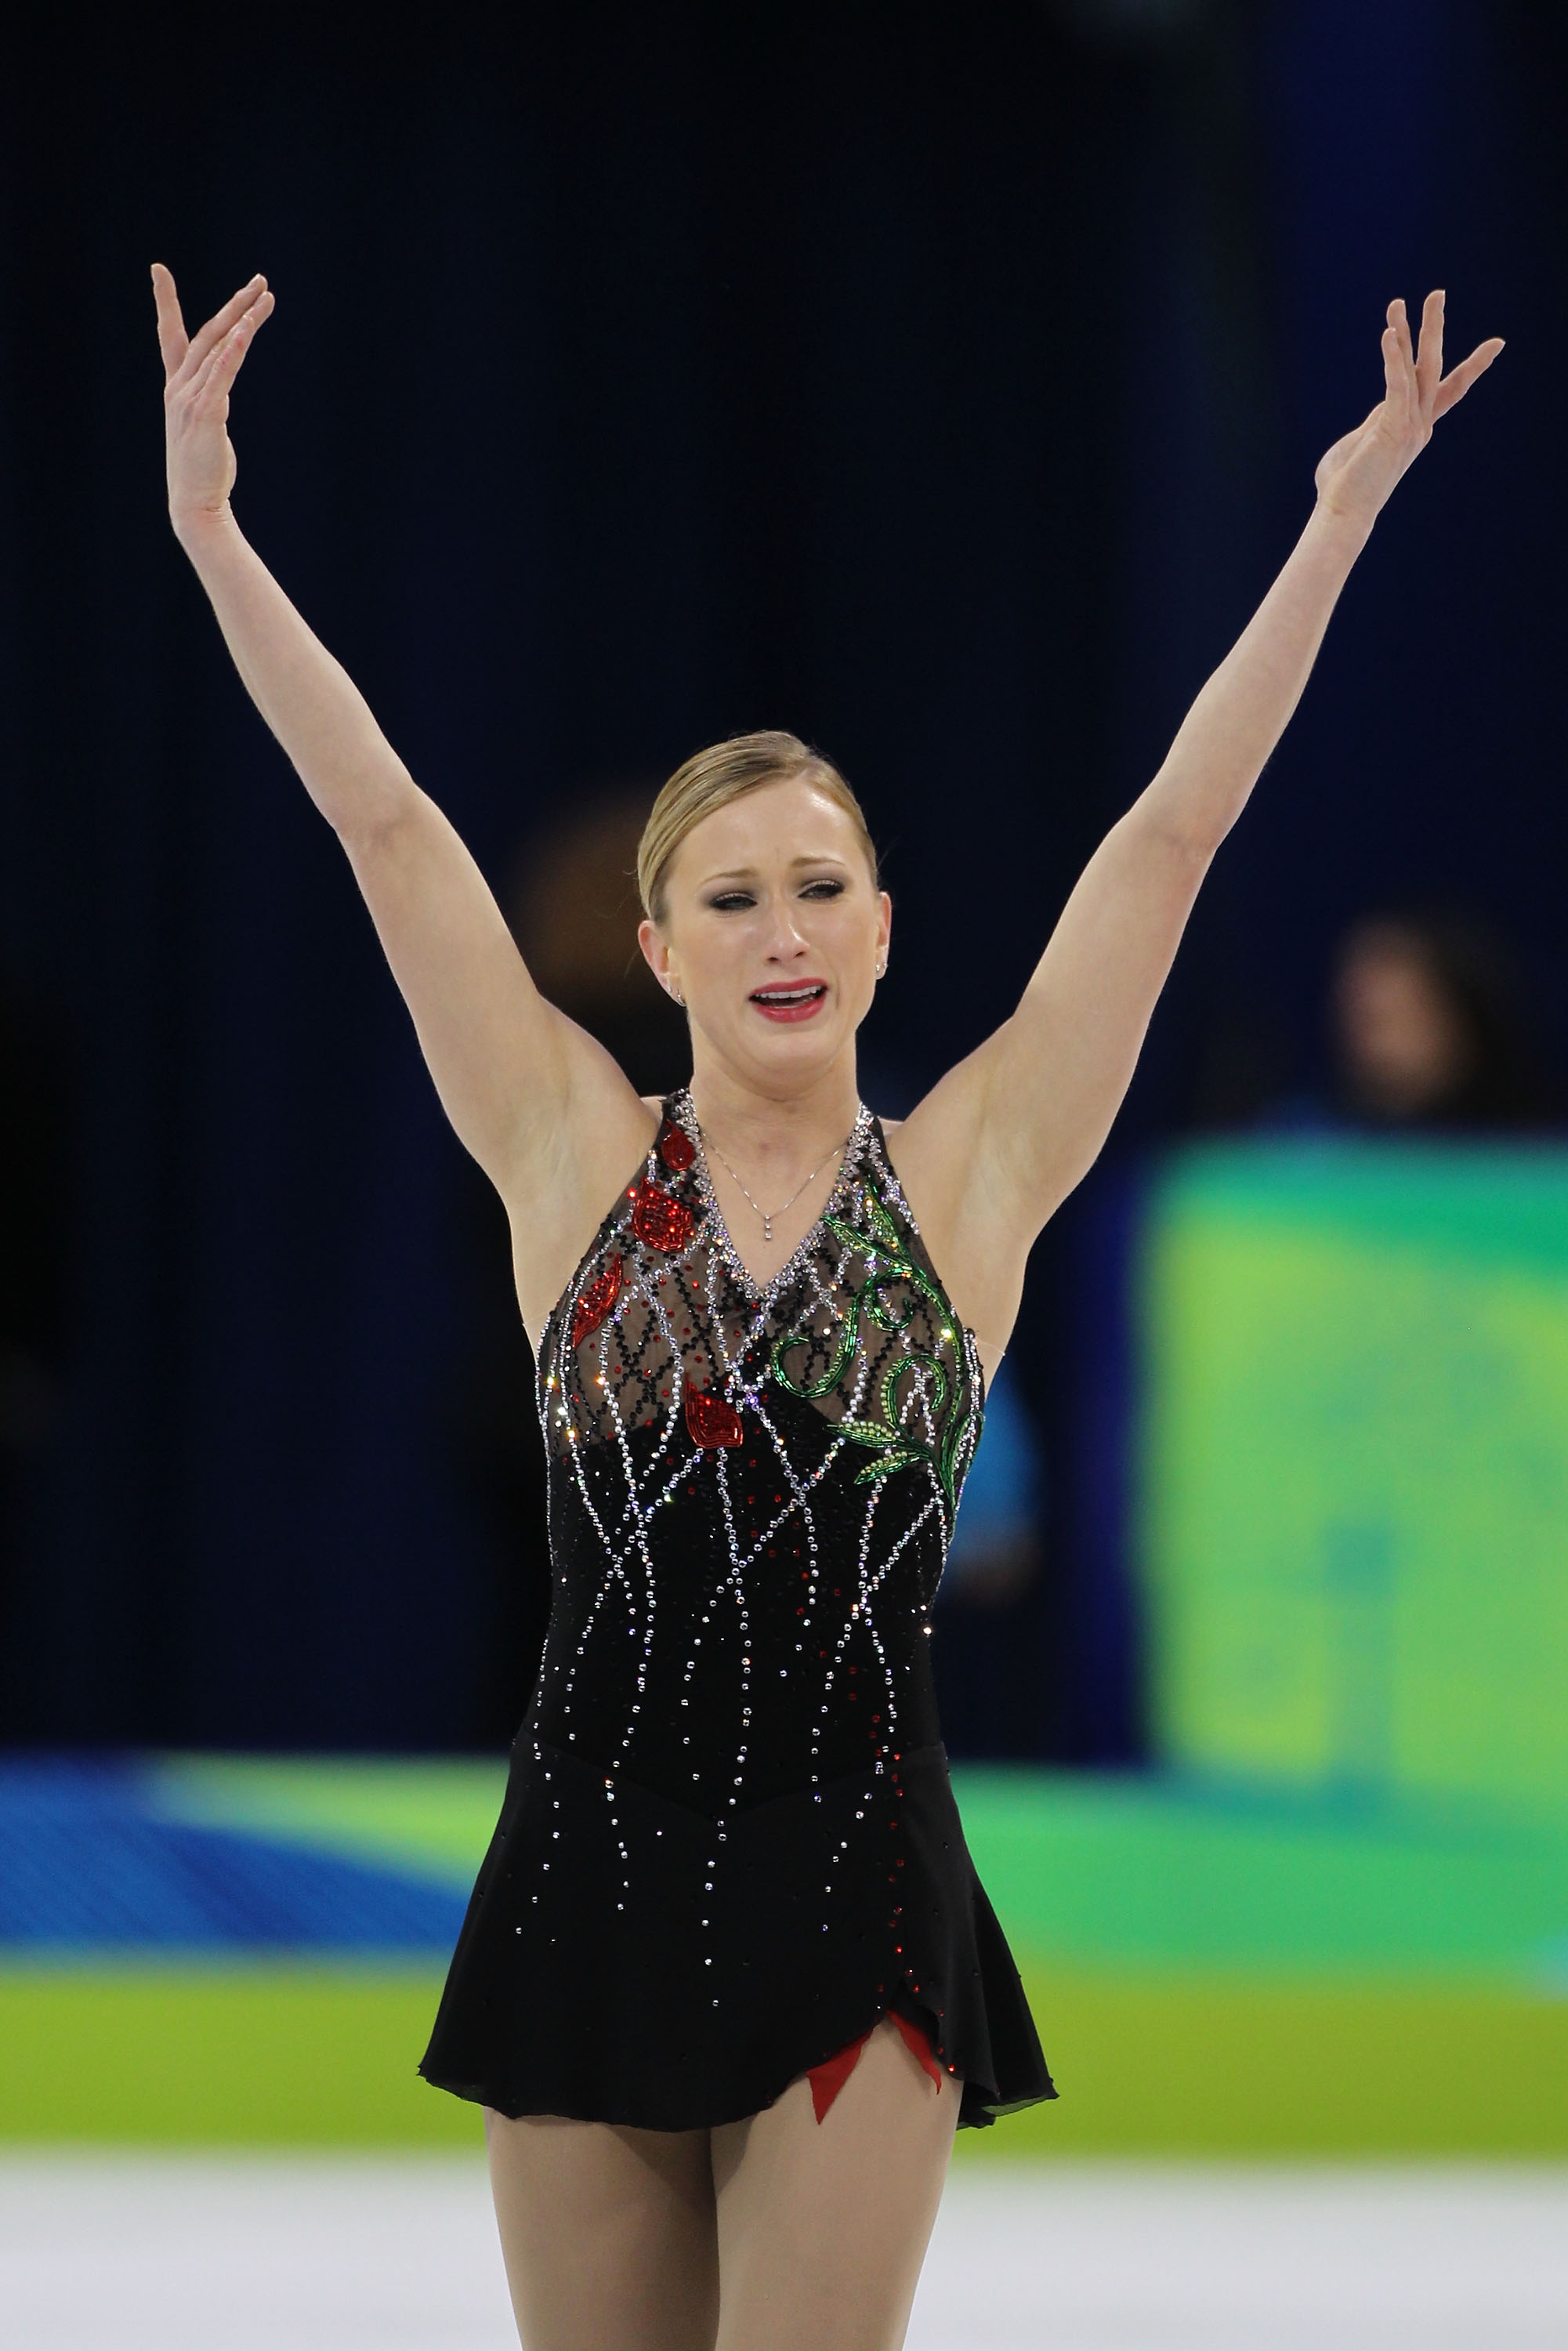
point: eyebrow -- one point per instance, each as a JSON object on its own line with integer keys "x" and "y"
{"x": 748, "y": 873}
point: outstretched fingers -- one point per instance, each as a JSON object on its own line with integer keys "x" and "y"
{"x": 172, "y": 341}
{"x": 227, "y": 357}
{"x": 1399, "y": 368}
{"x": 1455, "y": 385}
{"x": 1358, "y": 474}
{"x": 1399, "y": 319}
{"x": 218, "y": 329}
{"x": 1425, "y": 393}
{"x": 1437, "y": 392}
{"x": 1429, "y": 354}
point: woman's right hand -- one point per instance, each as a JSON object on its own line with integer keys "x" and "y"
{"x": 198, "y": 372}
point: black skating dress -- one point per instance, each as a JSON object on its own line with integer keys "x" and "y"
{"x": 728, "y": 1844}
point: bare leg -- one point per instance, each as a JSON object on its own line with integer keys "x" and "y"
{"x": 823, "y": 2226}
{"x": 607, "y": 2234}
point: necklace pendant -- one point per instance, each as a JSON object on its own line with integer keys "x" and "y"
{"x": 768, "y": 1229}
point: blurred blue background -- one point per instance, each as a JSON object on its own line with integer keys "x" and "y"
{"x": 944, "y": 383}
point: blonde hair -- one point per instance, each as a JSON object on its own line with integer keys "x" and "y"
{"x": 725, "y": 771}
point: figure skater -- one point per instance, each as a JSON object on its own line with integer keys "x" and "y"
{"x": 728, "y": 1982}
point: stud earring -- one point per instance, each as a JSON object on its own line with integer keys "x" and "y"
{"x": 675, "y": 995}
{"x": 882, "y": 968}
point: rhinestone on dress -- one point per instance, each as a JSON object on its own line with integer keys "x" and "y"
{"x": 712, "y": 1442}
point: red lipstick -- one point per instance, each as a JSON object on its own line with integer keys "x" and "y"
{"x": 795, "y": 1000}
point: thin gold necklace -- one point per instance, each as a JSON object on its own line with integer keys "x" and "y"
{"x": 767, "y": 1215}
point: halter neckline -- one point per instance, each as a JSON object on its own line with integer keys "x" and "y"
{"x": 679, "y": 1107}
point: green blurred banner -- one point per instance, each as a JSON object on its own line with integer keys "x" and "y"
{"x": 1354, "y": 1474}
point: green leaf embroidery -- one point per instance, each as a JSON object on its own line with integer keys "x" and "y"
{"x": 888, "y": 1262}
{"x": 868, "y": 1432}
{"x": 901, "y": 1459}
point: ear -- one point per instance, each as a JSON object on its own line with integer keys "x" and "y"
{"x": 656, "y": 954}
{"x": 884, "y": 922}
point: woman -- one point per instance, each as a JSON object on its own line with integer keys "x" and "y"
{"x": 728, "y": 1983}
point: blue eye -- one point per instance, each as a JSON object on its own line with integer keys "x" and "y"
{"x": 824, "y": 889}
{"x": 730, "y": 899}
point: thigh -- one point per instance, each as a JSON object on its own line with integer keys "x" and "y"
{"x": 823, "y": 2226}
{"x": 607, "y": 2234}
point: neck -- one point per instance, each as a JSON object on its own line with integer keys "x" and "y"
{"x": 776, "y": 1135}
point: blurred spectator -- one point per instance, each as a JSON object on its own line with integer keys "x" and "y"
{"x": 1431, "y": 1029}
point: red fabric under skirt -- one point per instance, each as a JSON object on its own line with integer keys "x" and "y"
{"x": 827, "y": 2080}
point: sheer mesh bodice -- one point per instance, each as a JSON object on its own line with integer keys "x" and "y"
{"x": 751, "y": 1490}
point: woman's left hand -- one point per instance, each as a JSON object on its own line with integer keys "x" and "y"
{"x": 1358, "y": 473}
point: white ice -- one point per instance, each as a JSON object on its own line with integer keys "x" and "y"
{"x": 211, "y": 2252}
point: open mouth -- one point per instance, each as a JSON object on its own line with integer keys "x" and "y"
{"x": 796, "y": 1003}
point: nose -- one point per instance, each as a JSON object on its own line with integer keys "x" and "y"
{"x": 787, "y": 944}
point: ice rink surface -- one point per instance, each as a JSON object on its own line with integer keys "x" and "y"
{"x": 230, "y": 2254}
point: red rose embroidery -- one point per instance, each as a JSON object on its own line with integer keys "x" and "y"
{"x": 711, "y": 1421}
{"x": 676, "y": 1148}
{"x": 597, "y": 1301}
{"x": 660, "y": 1220}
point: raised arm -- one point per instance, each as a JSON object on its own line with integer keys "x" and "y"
{"x": 1037, "y": 1100}
{"x": 536, "y": 1102}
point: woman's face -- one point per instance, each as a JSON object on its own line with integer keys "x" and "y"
{"x": 1403, "y": 1046}
{"x": 773, "y": 932}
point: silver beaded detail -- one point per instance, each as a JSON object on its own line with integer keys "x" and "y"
{"x": 695, "y": 1316}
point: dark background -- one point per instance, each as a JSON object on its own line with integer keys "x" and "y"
{"x": 941, "y": 383}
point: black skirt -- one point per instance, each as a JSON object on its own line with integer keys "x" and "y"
{"x": 608, "y": 1971}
